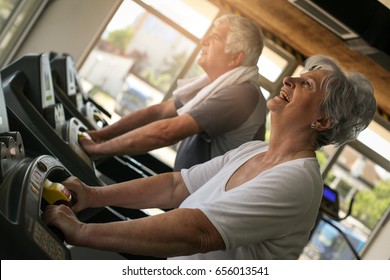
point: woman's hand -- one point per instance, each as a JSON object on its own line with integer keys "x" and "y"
{"x": 63, "y": 218}
{"x": 83, "y": 195}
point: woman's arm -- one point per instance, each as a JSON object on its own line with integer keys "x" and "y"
{"x": 165, "y": 190}
{"x": 177, "y": 232}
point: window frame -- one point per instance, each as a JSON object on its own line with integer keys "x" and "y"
{"x": 33, "y": 9}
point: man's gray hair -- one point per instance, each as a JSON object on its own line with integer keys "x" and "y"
{"x": 244, "y": 35}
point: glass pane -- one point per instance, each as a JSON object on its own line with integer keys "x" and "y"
{"x": 13, "y": 27}
{"x": 354, "y": 173}
{"x": 6, "y": 9}
{"x": 377, "y": 138}
{"x": 194, "y": 70}
{"x": 159, "y": 52}
{"x": 352, "y": 176}
{"x": 298, "y": 71}
{"x": 271, "y": 65}
{"x": 136, "y": 61}
{"x": 195, "y": 16}
{"x": 323, "y": 154}
{"x": 328, "y": 243}
{"x": 265, "y": 92}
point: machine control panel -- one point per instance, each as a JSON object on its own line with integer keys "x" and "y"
{"x": 21, "y": 194}
{"x": 47, "y": 242}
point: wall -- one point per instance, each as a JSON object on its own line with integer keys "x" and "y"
{"x": 65, "y": 26}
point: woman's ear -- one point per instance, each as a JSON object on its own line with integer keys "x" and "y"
{"x": 323, "y": 124}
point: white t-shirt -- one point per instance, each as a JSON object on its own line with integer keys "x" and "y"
{"x": 268, "y": 217}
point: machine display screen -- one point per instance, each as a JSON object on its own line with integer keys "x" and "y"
{"x": 46, "y": 83}
{"x": 329, "y": 194}
{"x": 70, "y": 69}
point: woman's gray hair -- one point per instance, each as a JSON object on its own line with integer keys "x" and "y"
{"x": 244, "y": 35}
{"x": 349, "y": 104}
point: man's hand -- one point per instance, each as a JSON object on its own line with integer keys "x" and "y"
{"x": 90, "y": 145}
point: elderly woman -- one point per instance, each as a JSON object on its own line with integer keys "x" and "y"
{"x": 258, "y": 201}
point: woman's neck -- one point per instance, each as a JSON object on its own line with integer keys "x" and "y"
{"x": 289, "y": 149}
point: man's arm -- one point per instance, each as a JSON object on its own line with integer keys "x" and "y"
{"x": 135, "y": 120}
{"x": 152, "y": 136}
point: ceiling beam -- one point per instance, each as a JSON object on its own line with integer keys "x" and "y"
{"x": 307, "y": 37}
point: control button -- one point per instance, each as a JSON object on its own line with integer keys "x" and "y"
{"x": 42, "y": 166}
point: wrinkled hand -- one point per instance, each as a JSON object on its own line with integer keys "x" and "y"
{"x": 84, "y": 196}
{"x": 94, "y": 135}
{"x": 63, "y": 218}
{"x": 91, "y": 146}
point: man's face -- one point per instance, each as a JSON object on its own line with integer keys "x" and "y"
{"x": 213, "y": 58}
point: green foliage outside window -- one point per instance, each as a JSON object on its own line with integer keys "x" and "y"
{"x": 369, "y": 206}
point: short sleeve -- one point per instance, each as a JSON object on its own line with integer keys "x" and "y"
{"x": 226, "y": 109}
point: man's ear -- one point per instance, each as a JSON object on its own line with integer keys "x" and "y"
{"x": 323, "y": 124}
{"x": 237, "y": 59}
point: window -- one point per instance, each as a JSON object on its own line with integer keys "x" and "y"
{"x": 274, "y": 64}
{"x": 360, "y": 170}
{"x": 150, "y": 44}
{"x": 193, "y": 16}
{"x": 16, "y": 19}
{"x": 144, "y": 49}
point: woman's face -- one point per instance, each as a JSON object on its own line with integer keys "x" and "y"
{"x": 300, "y": 98}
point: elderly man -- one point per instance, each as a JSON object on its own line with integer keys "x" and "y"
{"x": 210, "y": 114}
